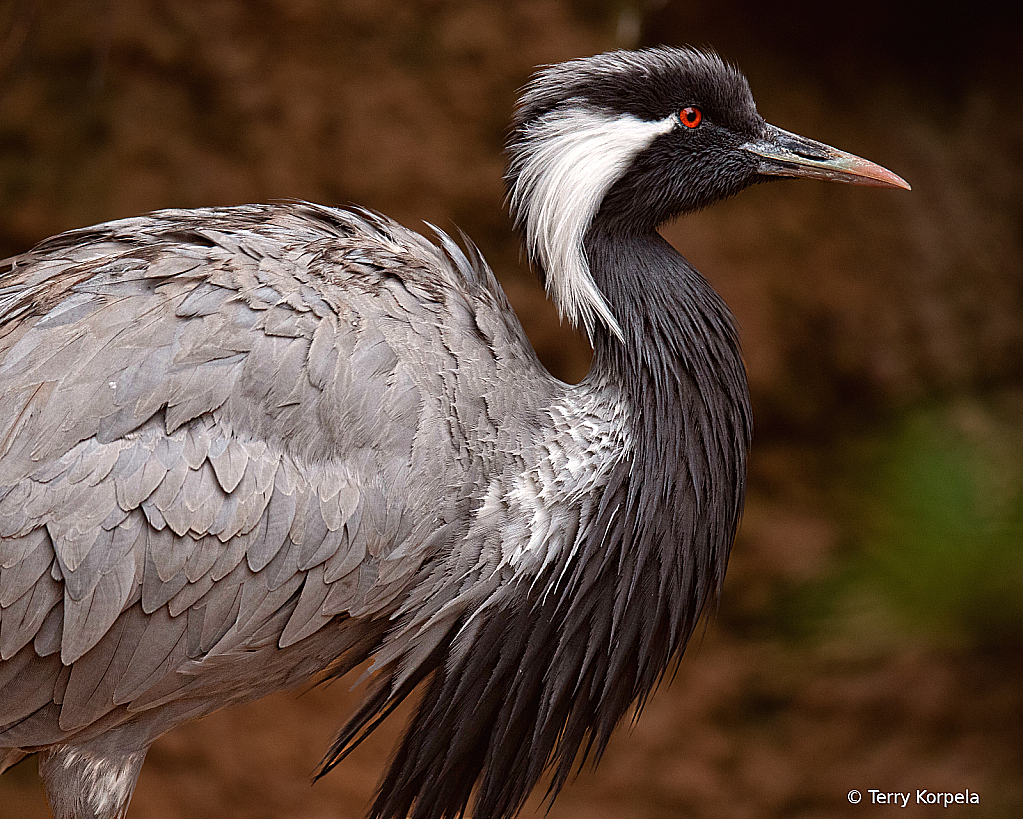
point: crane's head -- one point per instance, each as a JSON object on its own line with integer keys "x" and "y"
{"x": 635, "y": 138}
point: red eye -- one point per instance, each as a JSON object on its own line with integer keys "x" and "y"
{"x": 690, "y": 116}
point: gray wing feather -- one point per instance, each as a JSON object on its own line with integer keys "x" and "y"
{"x": 217, "y": 448}
{"x": 24, "y": 617}
{"x": 222, "y": 604}
{"x": 27, "y": 683}
{"x": 132, "y": 489}
{"x": 279, "y": 516}
{"x": 166, "y": 552}
{"x": 160, "y": 648}
{"x": 50, "y": 633}
{"x": 309, "y": 615}
{"x": 88, "y": 619}
{"x": 164, "y": 495}
{"x": 156, "y": 591}
{"x": 202, "y": 558}
{"x": 190, "y": 595}
{"x": 90, "y": 688}
{"x": 282, "y": 568}
{"x": 229, "y": 464}
{"x": 309, "y": 532}
{"x": 26, "y": 560}
{"x": 345, "y": 561}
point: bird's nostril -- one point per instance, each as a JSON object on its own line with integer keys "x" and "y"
{"x": 804, "y": 148}
{"x": 807, "y": 153}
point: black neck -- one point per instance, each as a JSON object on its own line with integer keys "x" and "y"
{"x": 680, "y": 367}
{"x": 680, "y": 371}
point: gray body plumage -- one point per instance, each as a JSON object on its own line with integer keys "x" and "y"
{"x": 241, "y": 447}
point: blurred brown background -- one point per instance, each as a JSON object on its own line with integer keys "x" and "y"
{"x": 871, "y": 629}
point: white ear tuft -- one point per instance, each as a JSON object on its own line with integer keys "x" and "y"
{"x": 563, "y": 165}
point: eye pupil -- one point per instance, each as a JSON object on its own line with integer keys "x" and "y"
{"x": 690, "y": 116}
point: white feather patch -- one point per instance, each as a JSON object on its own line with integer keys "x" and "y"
{"x": 566, "y": 162}
{"x": 556, "y": 499}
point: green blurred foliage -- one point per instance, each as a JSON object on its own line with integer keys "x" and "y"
{"x": 937, "y": 527}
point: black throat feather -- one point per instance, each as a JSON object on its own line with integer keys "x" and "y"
{"x": 553, "y": 670}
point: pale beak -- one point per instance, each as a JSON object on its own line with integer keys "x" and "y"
{"x": 781, "y": 153}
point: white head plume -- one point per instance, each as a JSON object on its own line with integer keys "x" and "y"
{"x": 563, "y": 164}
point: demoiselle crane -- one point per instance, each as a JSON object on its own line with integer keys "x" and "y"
{"x": 244, "y": 446}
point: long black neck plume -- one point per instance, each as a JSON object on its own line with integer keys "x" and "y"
{"x": 615, "y": 614}
{"x": 656, "y": 550}
{"x": 681, "y": 373}
{"x": 554, "y": 669}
